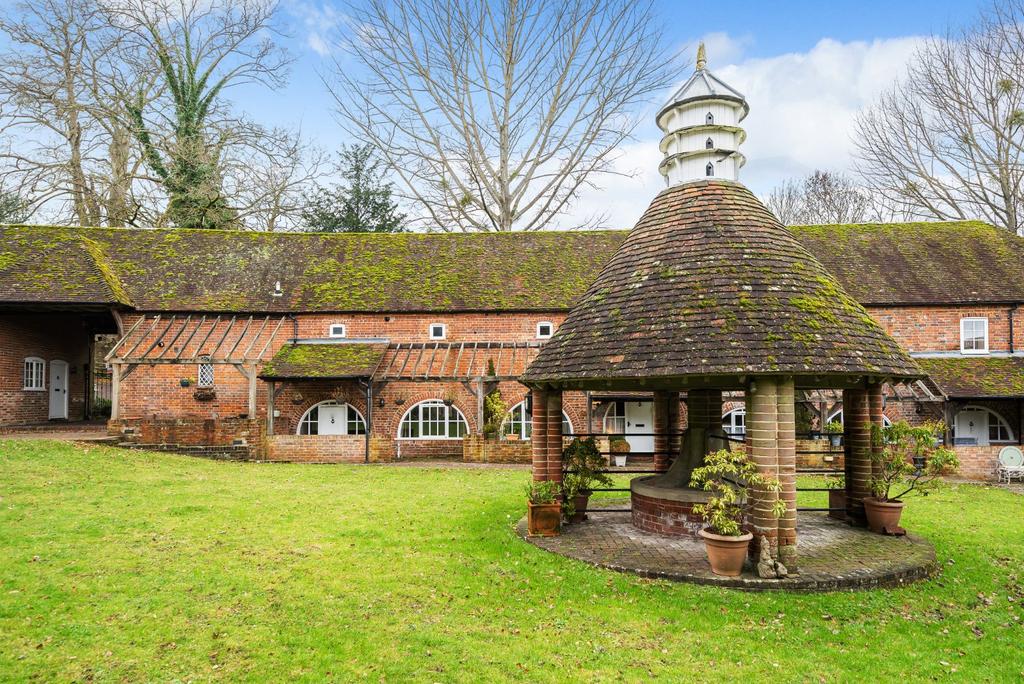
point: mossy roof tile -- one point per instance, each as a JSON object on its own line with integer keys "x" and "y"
{"x": 324, "y": 361}
{"x": 976, "y": 377}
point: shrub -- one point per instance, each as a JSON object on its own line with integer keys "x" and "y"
{"x": 545, "y": 492}
{"x": 729, "y": 474}
{"x": 585, "y": 464}
{"x": 912, "y": 459}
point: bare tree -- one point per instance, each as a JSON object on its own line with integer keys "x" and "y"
{"x": 821, "y": 197}
{"x": 494, "y": 114}
{"x": 946, "y": 142}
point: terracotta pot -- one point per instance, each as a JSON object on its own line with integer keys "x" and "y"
{"x": 543, "y": 520}
{"x": 580, "y": 502}
{"x": 837, "y": 499}
{"x": 882, "y": 514}
{"x": 726, "y": 554}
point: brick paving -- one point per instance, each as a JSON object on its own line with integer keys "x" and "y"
{"x": 833, "y": 555}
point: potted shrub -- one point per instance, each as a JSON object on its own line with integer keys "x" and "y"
{"x": 911, "y": 460}
{"x": 837, "y": 497}
{"x": 728, "y": 474}
{"x": 495, "y": 411}
{"x": 835, "y": 433}
{"x": 619, "y": 448}
{"x": 543, "y": 511}
{"x": 584, "y": 466}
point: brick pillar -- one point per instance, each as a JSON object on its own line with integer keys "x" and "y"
{"x": 661, "y": 429}
{"x": 553, "y": 443}
{"x": 539, "y": 435}
{"x": 875, "y": 416}
{"x": 857, "y": 453}
{"x": 787, "y": 472}
{"x": 673, "y": 427}
{"x": 763, "y": 448}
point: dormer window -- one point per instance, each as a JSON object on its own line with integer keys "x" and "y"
{"x": 974, "y": 336}
{"x": 709, "y": 144}
{"x": 709, "y": 170}
{"x": 336, "y": 330}
{"x": 438, "y": 331}
{"x": 545, "y": 329}
{"x": 709, "y": 119}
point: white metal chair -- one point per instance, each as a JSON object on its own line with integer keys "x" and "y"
{"x": 1011, "y": 464}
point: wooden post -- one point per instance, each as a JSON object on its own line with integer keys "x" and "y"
{"x": 271, "y": 390}
{"x": 857, "y": 453}
{"x": 480, "y": 405}
{"x": 787, "y": 472}
{"x": 539, "y": 435}
{"x": 252, "y": 391}
{"x": 763, "y": 447}
{"x": 115, "y": 391}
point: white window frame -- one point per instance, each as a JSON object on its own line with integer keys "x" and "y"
{"x": 551, "y": 330}
{"x": 963, "y": 325}
{"x": 450, "y": 415}
{"x": 332, "y": 330}
{"x": 992, "y": 415}
{"x": 516, "y": 423}
{"x": 444, "y": 331}
{"x": 199, "y": 375}
{"x": 38, "y": 373}
{"x": 307, "y": 420}
{"x": 838, "y": 415}
{"x": 729, "y": 422}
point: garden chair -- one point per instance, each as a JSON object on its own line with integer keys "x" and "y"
{"x": 1011, "y": 464}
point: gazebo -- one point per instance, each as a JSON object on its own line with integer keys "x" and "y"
{"x": 710, "y": 293}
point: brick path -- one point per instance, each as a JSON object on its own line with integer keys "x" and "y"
{"x": 832, "y": 554}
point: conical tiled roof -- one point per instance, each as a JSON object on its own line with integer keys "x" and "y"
{"x": 709, "y": 283}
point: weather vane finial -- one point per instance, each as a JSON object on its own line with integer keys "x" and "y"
{"x": 702, "y": 57}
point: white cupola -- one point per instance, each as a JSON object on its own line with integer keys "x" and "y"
{"x": 701, "y": 127}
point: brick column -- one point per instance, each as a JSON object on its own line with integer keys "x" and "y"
{"x": 553, "y": 443}
{"x": 674, "y": 442}
{"x": 875, "y": 416}
{"x": 857, "y": 453}
{"x": 661, "y": 428}
{"x": 763, "y": 448}
{"x": 539, "y": 435}
{"x": 787, "y": 472}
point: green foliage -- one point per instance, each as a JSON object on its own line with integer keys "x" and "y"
{"x": 911, "y": 459}
{"x": 585, "y": 465}
{"x": 13, "y": 209}
{"x": 834, "y": 428}
{"x": 495, "y": 411}
{"x": 618, "y": 445}
{"x": 836, "y": 482}
{"x": 101, "y": 407}
{"x": 545, "y": 492}
{"x": 729, "y": 474}
{"x": 363, "y": 203}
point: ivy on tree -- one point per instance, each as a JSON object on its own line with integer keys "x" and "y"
{"x": 362, "y": 203}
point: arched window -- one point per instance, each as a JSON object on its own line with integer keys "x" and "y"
{"x": 709, "y": 119}
{"x": 433, "y": 419}
{"x": 709, "y": 144}
{"x": 709, "y": 170}
{"x": 735, "y": 422}
{"x": 981, "y": 426}
{"x": 520, "y": 422}
{"x": 838, "y": 417}
{"x": 332, "y": 418}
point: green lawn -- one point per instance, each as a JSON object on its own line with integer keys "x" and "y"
{"x": 132, "y": 566}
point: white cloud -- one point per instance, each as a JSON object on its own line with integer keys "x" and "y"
{"x": 321, "y": 22}
{"x": 802, "y": 107}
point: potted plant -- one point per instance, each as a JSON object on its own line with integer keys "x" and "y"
{"x": 728, "y": 474}
{"x": 186, "y": 382}
{"x": 494, "y": 414}
{"x": 835, "y": 433}
{"x": 910, "y": 460}
{"x": 619, "y": 448}
{"x": 837, "y": 497}
{"x": 584, "y": 468}
{"x": 543, "y": 511}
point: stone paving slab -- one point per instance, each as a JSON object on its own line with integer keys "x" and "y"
{"x": 832, "y": 555}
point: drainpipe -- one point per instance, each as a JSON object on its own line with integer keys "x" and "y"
{"x": 295, "y": 328}
{"x": 1009, "y": 315}
{"x": 369, "y": 419}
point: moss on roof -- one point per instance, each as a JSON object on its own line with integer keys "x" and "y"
{"x": 976, "y": 377}
{"x": 920, "y": 263}
{"x": 341, "y": 360}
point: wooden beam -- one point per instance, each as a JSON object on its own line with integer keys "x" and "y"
{"x": 271, "y": 395}
{"x": 141, "y": 339}
{"x": 189, "y": 338}
{"x": 199, "y": 347}
{"x": 124, "y": 338}
{"x": 115, "y": 391}
{"x": 223, "y": 337}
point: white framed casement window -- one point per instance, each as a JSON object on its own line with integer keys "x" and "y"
{"x": 204, "y": 376}
{"x": 974, "y": 336}
{"x": 545, "y": 329}
{"x": 438, "y": 331}
{"x": 519, "y": 422}
{"x": 34, "y": 374}
{"x": 433, "y": 419}
{"x": 336, "y": 330}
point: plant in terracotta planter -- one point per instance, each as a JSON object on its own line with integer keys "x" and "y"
{"x": 543, "y": 511}
{"x": 584, "y": 464}
{"x": 911, "y": 460}
{"x": 837, "y": 497}
{"x": 835, "y": 433}
{"x": 619, "y": 448}
{"x": 728, "y": 474}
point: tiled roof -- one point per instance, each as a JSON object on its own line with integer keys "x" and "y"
{"x": 921, "y": 263}
{"x": 976, "y": 377}
{"x": 324, "y": 361}
{"x": 709, "y": 283}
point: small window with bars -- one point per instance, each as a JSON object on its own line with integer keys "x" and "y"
{"x": 205, "y": 375}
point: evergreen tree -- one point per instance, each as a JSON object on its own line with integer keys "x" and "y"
{"x": 13, "y": 209}
{"x": 361, "y": 204}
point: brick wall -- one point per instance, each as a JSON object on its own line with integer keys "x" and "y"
{"x": 326, "y": 449}
{"x": 937, "y": 328}
{"x": 477, "y": 449}
{"x": 978, "y": 462}
{"x": 49, "y": 337}
{"x": 188, "y": 431}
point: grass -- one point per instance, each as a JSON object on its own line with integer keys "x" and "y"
{"x": 133, "y": 566}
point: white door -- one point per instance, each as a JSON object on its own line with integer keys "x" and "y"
{"x": 58, "y": 390}
{"x": 331, "y": 420}
{"x": 972, "y": 423}
{"x": 640, "y": 419}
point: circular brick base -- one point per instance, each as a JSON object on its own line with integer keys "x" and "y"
{"x": 665, "y": 511}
